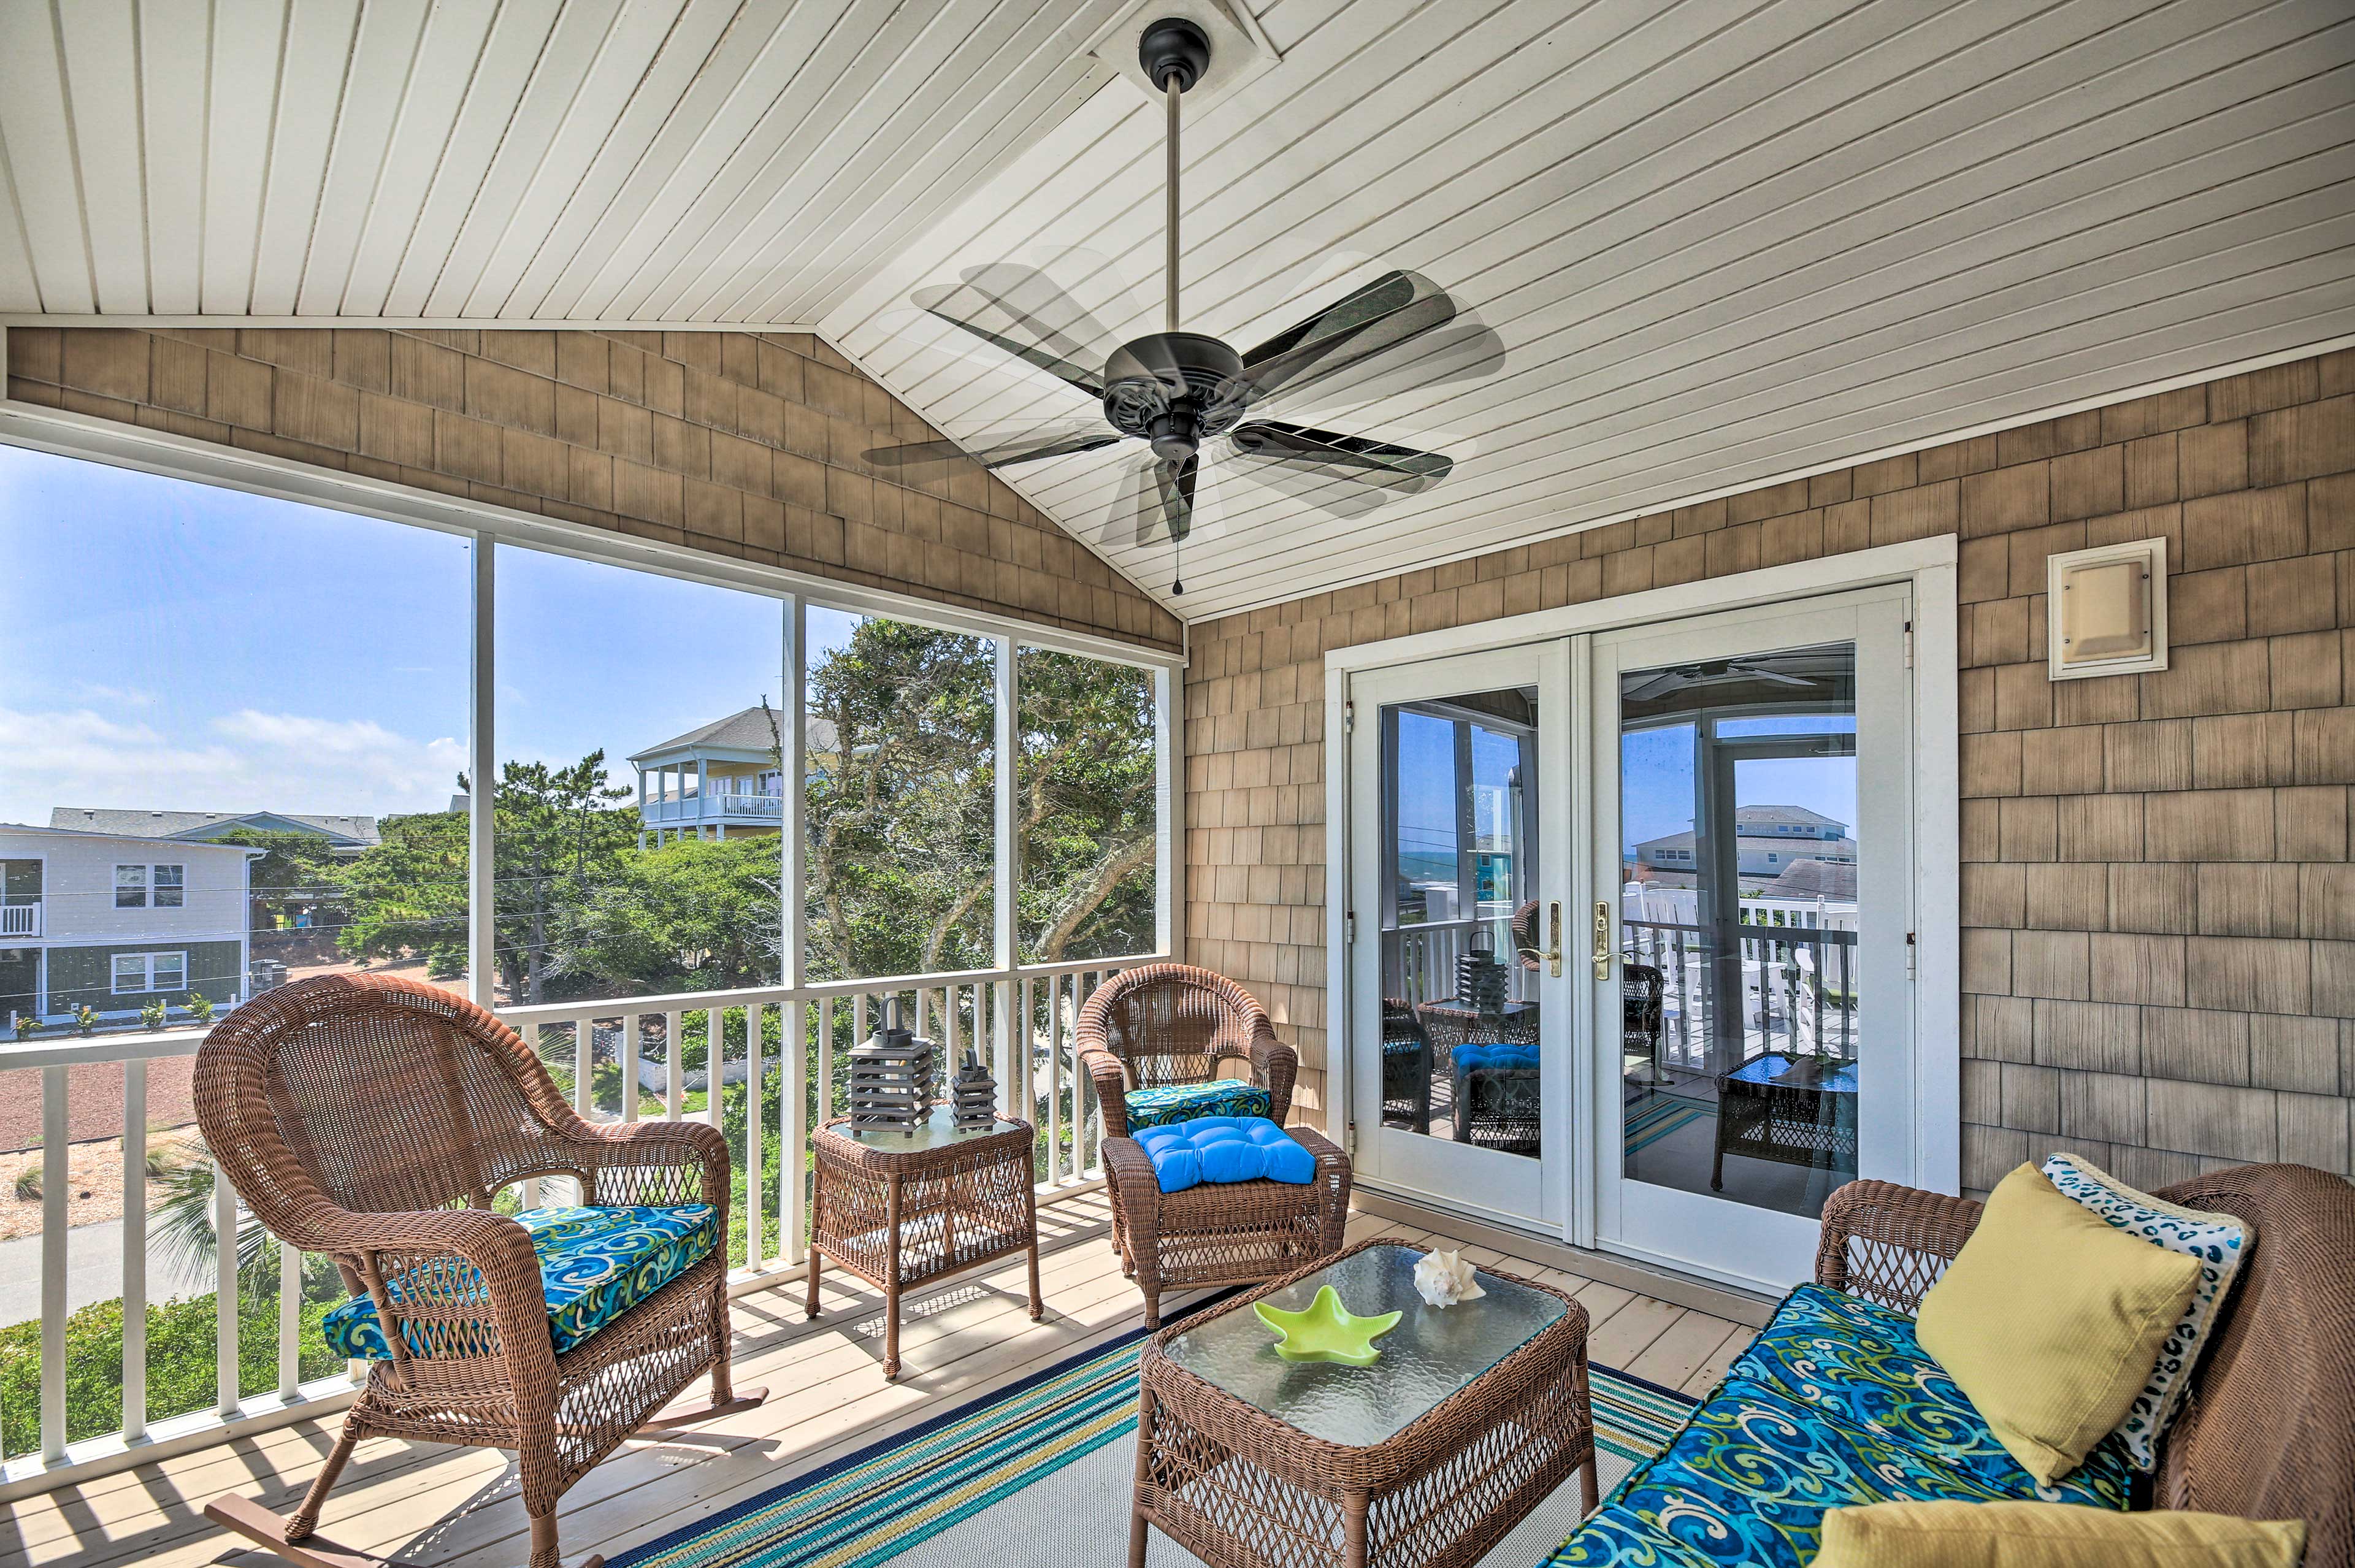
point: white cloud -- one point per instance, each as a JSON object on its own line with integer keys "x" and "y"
{"x": 244, "y": 761}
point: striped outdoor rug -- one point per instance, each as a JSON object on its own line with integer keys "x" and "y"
{"x": 1037, "y": 1473}
{"x": 1656, "y": 1118}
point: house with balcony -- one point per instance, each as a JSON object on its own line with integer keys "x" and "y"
{"x": 1324, "y": 491}
{"x": 723, "y": 776}
{"x": 115, "y": 921}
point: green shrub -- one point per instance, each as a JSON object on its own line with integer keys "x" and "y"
{"x": 28, "y": 1184}
{"x": 26, "y": 1025}
{"x": 153, "y": 1014}
{"x": 200, "y": 1008}
{"x": 85, "y": 1019}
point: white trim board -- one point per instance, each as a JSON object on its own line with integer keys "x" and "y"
{"x": 397, "y": 324}
{"x": 183, "y": 457}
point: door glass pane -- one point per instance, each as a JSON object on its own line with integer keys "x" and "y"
{"x": 1738, "y": 987}
{"x": 1459, "y": 1013}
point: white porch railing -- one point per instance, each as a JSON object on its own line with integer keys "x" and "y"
{"x": 718, "y": 806}
{"x": 1021, "y": 1019}
{"x": 20, "y": 918}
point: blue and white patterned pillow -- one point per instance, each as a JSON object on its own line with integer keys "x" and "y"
{"x": 2219, "y": 1241}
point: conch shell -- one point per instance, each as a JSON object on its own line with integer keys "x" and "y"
{"x": 1443, "y": 1279}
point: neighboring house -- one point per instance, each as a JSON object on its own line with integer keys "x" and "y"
{"x": 119, "y": 920}
{"x": 722, "y": 776}
{"x": 1768, "y": 841}
{"x": 346, "y": 835}
{"x": 1834, "y": 882}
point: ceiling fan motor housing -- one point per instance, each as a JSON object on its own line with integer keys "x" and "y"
{"x": 1176, "y": 389}
{"x": 1174, "y": 47}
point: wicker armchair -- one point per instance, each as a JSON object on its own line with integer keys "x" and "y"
{"x": 1170, "y": 1023}
{"x": 1164, "y": 1024}
{"x": 2265, "y": 1432}
{"x": 374, "y": 1119}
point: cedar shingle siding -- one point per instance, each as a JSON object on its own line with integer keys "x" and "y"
{"x": 2159, "y": 958}
{"x": 745, "y": 445}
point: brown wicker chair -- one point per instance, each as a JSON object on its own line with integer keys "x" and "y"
{"x": 1171, "y": 1023}
{"x": 2268, "y": 1431}
{"x": 374, "y": 1119}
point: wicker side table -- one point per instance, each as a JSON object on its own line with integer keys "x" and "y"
{"x": 900, "y": 1209}
{"x": 1473, "y": 1416}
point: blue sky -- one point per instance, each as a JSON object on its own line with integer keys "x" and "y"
{"x": 172, "y": 646}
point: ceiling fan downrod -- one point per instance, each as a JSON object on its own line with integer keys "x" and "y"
{"x": 1174, "y": 53}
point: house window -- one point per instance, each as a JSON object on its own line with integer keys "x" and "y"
{"x": 130, "y": 887}
{"x": 138, "y": 972}
{"x": 171, "y": 886}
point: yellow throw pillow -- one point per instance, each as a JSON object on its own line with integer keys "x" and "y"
{"x": 2049, "y": 1535}
{"x": 2050, "y": 1321}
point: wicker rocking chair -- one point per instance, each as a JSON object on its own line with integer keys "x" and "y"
{"x": 374, "y": 1119}
{"x": 1162, "y": 1025}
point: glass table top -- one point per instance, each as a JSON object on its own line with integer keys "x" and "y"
{"x": 937, "y": 1130}
{"x": 1432, "y": 1354}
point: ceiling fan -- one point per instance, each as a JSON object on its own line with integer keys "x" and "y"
{"x": 1179, "y": 391}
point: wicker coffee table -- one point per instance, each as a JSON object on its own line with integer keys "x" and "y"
{"x": 1473, "y": 1415}
{"x": 900, "y": 1209}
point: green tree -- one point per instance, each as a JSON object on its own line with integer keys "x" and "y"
{"x": 557, "y": 837}
{"x": 297, "y": 870}
{"x": 691, "y": 915}
{"x": 1087, "y": 813}
{"x": 406, "y": 893}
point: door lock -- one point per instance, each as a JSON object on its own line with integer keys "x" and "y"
{"x": 1553, "y": 955}
{"x": 1602, "y": 939}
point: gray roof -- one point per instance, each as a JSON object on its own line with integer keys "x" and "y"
{"x": 9, "y": 829}
{"x": 344, "y": 829}
{"x": 1774, "y": 815}
{"x": 1815, "y": 879}
{"x": 1685, "y": 841}
{"x": 749, "y": 731}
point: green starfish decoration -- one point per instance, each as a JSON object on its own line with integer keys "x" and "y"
{"x": 1326, "y": 1331}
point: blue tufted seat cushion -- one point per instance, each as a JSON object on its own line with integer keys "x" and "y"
{"x": 594, "y": 1265}
{"x": 1224, "y": 1148}
{"x": 1491, "y": 1058}
{"x": 1184, "y": 1102}
{"x": 1834, "y": 1404}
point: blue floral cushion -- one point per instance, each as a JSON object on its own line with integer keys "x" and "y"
{"x": 1224, "y": 1148}
{"x": 1834, "y": 1404}
{"x": 1184, "y": 1102}
{"x": 594, "y": 1265}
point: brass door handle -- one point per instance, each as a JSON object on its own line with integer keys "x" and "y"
{"x": 1554, "y": 956}
{"x": 1602, "y": 939}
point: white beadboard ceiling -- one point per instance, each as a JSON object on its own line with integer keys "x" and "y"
{"x": 1718, "y": 240}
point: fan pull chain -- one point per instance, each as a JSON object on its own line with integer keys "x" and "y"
{"x": 1178, "y": 565}
{"x": 1173, "y": 90}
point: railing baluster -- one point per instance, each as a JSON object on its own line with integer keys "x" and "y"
{"x": 56, "y": 1183}
{"x": 824, "y": 1061}
{"x": 714, "y": 1062}
{"x": 756, "y": 1018}
{"x": 628, "y": 1051}
{"x": 134, "y": 1249}
{"x": 793, "y": 1130}
{"x": 673, "y": 1065}
{"x": 225, "y": 1366}
{"x": 1055, "y": 1080}
{"x": 289, "y": 1320}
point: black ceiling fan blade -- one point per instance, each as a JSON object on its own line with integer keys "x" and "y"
{"x": 1405, "y": 470}
{"x": 1462, "y": 351}
{"x": 1388, "y": 311}
{"x": 1173, "y": 484}
{"x": 997, "y": 451}
{"x": 1022, "y": 311}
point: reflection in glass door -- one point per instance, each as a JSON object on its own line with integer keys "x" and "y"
{"x": 1452, "y": 1066}
{"x": 1761, "y": 856}
{"x": 1738, "y": 981}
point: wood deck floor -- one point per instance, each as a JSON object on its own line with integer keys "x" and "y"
{"x": 826, "y": 1397}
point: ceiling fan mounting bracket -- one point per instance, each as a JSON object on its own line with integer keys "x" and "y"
{"x": 1174, "y": 47}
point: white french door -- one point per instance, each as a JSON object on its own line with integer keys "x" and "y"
{"x": 1630, "y": 930}
{"x": 1460, "y": 1057}
{"x": 1750, "y": 924}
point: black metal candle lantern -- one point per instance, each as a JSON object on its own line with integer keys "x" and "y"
{"x": 974, "y": 1096}
{"x": 891, "y": 1076}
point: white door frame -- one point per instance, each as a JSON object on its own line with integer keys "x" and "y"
{"x": 1930, "y": 566}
